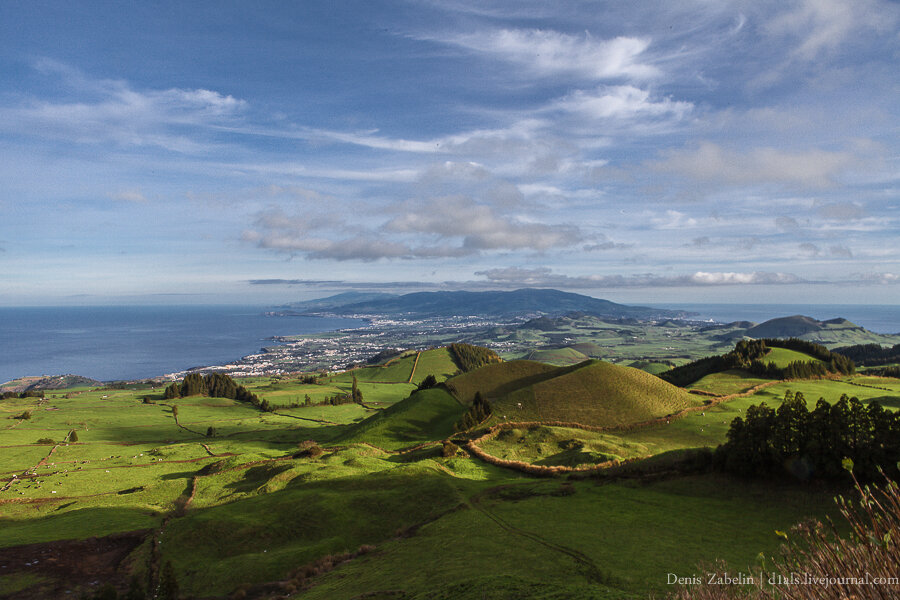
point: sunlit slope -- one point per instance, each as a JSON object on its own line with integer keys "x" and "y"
{"x": 437, "y": 362}
{"x": 498, "y": 379}
{"x": 594, "y": 393}
{"x": 424, "y": 416}
{"x": 557, "y": 356}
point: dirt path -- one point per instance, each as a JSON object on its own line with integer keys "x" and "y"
{"x": 415, "y": 364}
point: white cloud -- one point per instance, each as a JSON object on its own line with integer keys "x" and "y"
{"x": 823, "y": 25}
{"x": 712, "y": 163}
{"x": 119, "y": 114}
{"x": 543, "y": 276}
{"x": 620, "y": 102}
{"x": 551, "y": 53}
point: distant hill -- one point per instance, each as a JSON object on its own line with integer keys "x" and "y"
{"x": 487, "y": 304}
{"x": 48, "y": 382}
{"x": 557, "y": 356}
{"x": 338, "y": 300}
{"x": 831, "y": 333}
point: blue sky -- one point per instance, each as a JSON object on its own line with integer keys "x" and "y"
{"x": 271, "y": 151}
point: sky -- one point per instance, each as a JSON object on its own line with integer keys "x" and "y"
{"x": 263, "y": 152}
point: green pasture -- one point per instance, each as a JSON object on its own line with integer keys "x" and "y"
{"x": 543, "y": 539}
{"x": 563, "y": 446}
{"x": 441, "y": 527}
{"x": 732, "y": 381}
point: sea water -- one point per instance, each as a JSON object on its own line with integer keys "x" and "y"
{"x": 133, "y": 342}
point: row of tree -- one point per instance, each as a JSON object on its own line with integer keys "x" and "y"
{"x": 26, "y": 394}
{"x": 469, "y": 357}
{"x": 750, "y": 355}
{"x": 812, "y": 443}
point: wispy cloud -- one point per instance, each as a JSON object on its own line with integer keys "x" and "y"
{"x": 546, "y": 52}
{"x": 710, "y": 162}
{"x": 113, "y": 111}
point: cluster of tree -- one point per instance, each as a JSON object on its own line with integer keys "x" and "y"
{"x": 478, "y": 412}
{"x": 429, "y": 382}
{"x": 26, "y": 394}
{"x": 812, "y": 443}
{"x": 886, "y": 371}
{"x": 796, "y": 369}
{"x": 311, "y": 378}
{"x": 469, "y": 357}
{"x": 749, "y": 355}
{"x": 871, "y": 354}
{"x": 215, "y": 385}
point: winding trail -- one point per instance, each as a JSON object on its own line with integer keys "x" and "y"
{"x": 589, "y": 567}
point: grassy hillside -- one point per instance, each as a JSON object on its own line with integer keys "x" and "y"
{"x": 732, "y": 381}
{"x": 497, "y": 379}
{"x": 424, "y": 416}
{"x": 437, "y": 362}
{"x": 557, "y": 356}
{"x": 782, "y": 357}
{"x": 397, "y": 370}
{"x": 594, "y": 393}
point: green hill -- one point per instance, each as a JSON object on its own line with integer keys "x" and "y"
{"x": 557, "y": 356}
{"x": 593, "y": 393}
{"x": 497, "y": 379}
{"x": 396, "y": 370}
{"x": 424, "y": 416}
{"x": 437, "y": 362}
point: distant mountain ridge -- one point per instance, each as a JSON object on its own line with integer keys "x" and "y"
{"x": 528, "y": 301}
{"x": 830, "y": 332}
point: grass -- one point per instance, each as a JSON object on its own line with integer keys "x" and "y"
{"x": 732, "y": 381}
{"x": 437, "y": 362}
{"x": 497, "y": 379}
{"x": 782, "y": 357}
{"x": 426, "y": 415}
{"x": 557, "y": 356}
{"x": 516, "y": 540}
{"x": 594, "y": 393}
{"x": 560, "y": 446}
{"x": 442, "y": 527}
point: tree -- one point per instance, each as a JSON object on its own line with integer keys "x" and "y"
{"x": 355, "y": 393}
{"x": 73, "y": 436}
{"x": 210, "y": 431}
{"x": 429, "y": 382}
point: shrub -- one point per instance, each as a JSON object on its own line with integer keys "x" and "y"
{"x": 309, "y": 449}
{"x": 449, "y": 449}
{"x": 49, "y": 441}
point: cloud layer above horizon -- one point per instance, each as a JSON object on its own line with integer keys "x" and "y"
{"x": 614, "y": 148}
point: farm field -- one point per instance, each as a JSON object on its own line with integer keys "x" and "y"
{"x": 349, "y": 500}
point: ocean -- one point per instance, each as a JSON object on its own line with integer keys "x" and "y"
{"x": 880, "y": 318}
{"x": 134, "y": 342}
